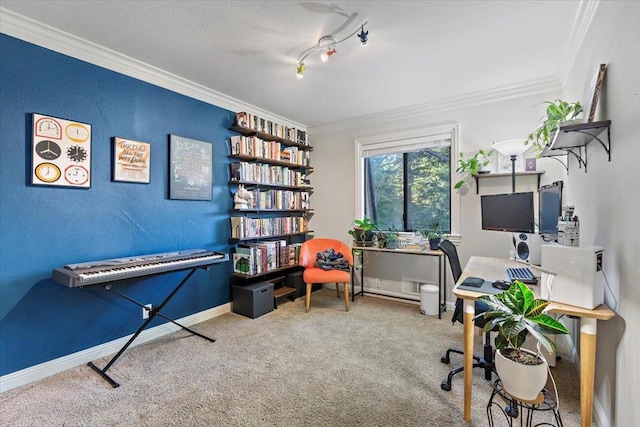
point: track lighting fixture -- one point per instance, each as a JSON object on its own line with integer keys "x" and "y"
{"x": 327, "y": 45}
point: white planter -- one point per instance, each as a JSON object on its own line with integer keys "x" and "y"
{"x": 524, "y": 382}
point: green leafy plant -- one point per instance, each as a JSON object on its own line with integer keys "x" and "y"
{"x": 472, "y": 165}
{"x": 433, "y": 232}
{"x": 362, "y": 230}
{"x": 557, "y": 112}
{"x": 518, "y": 313}
{"x": 392, "y": 236}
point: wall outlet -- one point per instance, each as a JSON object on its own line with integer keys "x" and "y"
{"x": 145, "y": 310}
{"x": 378, "y": 282}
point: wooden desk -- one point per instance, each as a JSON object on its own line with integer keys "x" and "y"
{"x": 494, "y": 268}
{"x": 442, "y": 270}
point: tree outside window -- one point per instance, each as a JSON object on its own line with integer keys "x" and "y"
{"x": 409, "y": 190}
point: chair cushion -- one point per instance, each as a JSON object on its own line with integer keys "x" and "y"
{"x": 318, "y": 275}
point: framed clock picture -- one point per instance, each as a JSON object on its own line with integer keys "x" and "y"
{"x": 61, "y": 152}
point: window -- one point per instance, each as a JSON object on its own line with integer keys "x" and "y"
{"x": 405, "y": 179}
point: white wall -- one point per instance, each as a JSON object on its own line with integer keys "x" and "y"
{"x": 607, "y": 198}
{"x": 334, "y": 178}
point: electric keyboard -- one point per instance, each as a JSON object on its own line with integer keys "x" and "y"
{"x": 522, "y": 274}
{"x": 96, "y": 272}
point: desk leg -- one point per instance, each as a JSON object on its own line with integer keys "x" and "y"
{"x": 439, "y": 288}
{"x": 588, "y": 331}
{"x": 362, "y": 273}
{"x": 353, "y": 273}
{"x": 469, "y": 312}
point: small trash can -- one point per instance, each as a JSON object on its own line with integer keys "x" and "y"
{"x": 429, "y": 300}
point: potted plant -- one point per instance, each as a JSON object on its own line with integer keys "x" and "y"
{"x": 392, "y": 236}
{"x": 362, "y": 231}
{"x": 472, "y": 166}
{"x": 518, "y": 313}
{"x": 381, "y": 239}
{"x": 434, "y": 234}
{"x": 557, "y": 113}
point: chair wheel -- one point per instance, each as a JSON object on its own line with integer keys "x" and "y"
{"x": 445, "y": 386}
{"x": 445, "y": 359}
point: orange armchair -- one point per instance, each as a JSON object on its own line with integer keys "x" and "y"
{"x": 316, "y": 275}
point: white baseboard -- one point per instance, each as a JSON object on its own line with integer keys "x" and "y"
{"x": 52, "y": 367}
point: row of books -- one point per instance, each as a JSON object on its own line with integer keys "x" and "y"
{"x": 243, "y": 227}
{"x": 266, "y": 174}
{"x": 272, "y": 150}
{"x": 280, "y": 199}
{"x": 261, "y": 124}
{"x": 257, "y": 258}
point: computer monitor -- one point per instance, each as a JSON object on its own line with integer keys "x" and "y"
{"x": 512, "y": 212}
{"x": 549, "y": 208}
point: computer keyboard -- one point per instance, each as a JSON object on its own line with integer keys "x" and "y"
{"x": 522, "y": 274}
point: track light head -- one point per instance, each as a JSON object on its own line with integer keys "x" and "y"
{"x": 364, "y": 36}
{"x": 300, "y": 70}
{"x": 326, "y": 55}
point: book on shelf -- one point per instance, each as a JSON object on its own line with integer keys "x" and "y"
{"x": 262, "y": 257}
{"x": 242, "y": 264}
{"x": 242, "y": 119}
{"x": 416, "y": 246}
{"x": 263, "y": 125}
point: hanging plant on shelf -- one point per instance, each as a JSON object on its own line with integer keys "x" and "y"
{"x": 557, "y": 113}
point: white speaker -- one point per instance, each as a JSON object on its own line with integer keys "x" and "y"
{"x": 526, "y": 247}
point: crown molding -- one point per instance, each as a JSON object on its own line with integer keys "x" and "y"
{"x": 579, "y": 28}
{"x": 43, "y": 35}
{"x": 532, "y": 87}
{"x": 59, "y": 41}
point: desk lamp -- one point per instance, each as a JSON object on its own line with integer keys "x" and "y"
{"x": 511, "y": 148}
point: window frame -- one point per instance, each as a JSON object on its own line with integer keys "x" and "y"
{"x": 410, "y": 139}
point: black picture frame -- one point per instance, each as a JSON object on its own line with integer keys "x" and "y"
{"x": 190, "y": 169}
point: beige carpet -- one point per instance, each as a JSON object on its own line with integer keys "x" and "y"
{"x": 376, "y": 365}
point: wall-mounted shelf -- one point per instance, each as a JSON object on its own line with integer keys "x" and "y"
{"x": 242, "y": 211}
{"x": 504, "y": 175}
{"x": 272, "y": 185}
{"x": 277, "y": 270}
{"x": 269, "y": 137}
{"x": 268, "y": 237}
{"x": 247, "y": 158}
{"x": 574, "y": 139}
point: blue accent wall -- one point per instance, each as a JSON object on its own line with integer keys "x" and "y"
{"x": 43, "y": 227}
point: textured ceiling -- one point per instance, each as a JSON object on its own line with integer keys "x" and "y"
{"x": 419, "y": 51}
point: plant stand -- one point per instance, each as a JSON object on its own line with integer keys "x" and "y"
{"x": 545, "y": 406}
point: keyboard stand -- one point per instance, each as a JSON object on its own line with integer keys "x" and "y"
{"x": 153, "y": 312}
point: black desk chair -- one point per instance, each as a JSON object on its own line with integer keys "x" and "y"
{"x": 485, "y": 362}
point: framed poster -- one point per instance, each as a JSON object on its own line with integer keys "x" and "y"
{"x": 61, "y": 152}
{"x": 190, "y": 169}
{"x": 593, "y": 95}
{"x": 131, "y": 160}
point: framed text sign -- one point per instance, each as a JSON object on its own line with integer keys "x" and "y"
{"x": 190, "y": 169}
{"x": 61, "y": 152}
{"x": 131, "y": 160}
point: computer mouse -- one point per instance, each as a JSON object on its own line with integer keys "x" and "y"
{"x": 501, "y": 284}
